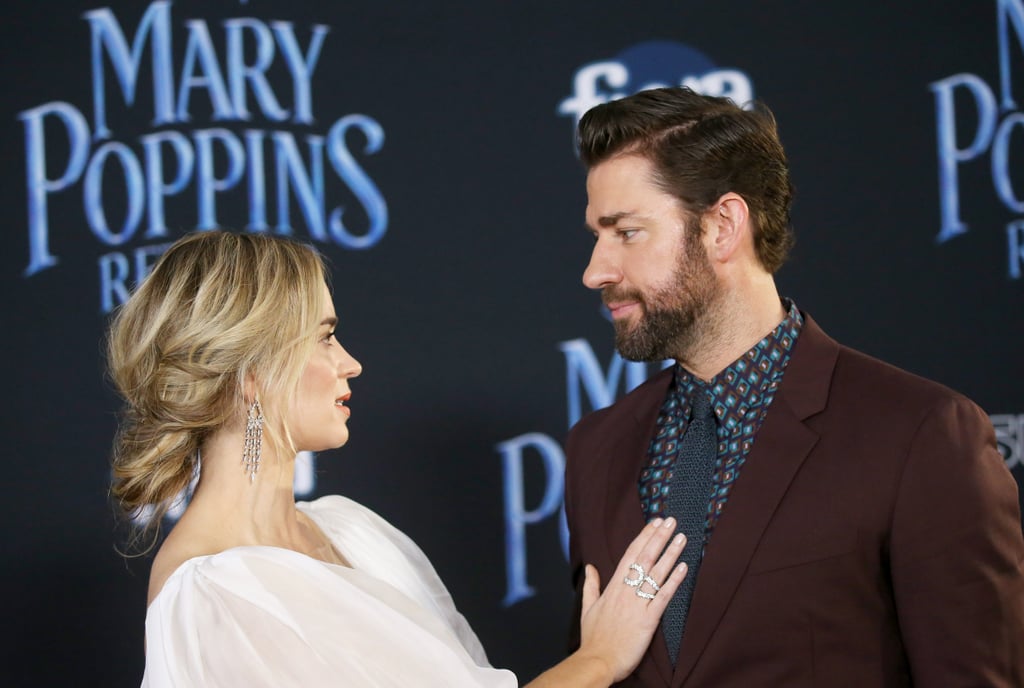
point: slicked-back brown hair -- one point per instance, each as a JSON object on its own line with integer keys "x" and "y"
{"x": 701, "y": 147}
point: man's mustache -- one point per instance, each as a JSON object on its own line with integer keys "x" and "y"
{"x": 618, "y": 295}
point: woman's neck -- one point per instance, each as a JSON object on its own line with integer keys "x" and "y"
{"x": 256, "y": 511}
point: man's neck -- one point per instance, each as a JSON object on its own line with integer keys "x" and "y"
{"x": 741, "y": 319}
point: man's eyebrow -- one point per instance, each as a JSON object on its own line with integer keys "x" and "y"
{"x": 612, "y": 220}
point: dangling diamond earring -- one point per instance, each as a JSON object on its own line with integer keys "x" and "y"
{"x": 253, "y": 446}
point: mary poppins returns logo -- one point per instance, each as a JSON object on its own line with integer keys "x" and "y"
{"x": 226, "y": 119}
{"x": 976, "y": 123}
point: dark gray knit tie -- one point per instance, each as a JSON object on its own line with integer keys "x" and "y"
{"x": 689, "y": 494}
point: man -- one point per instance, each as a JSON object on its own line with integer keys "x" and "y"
{"x": 848, "y": 523}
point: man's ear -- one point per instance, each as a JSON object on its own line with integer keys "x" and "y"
{"x": 727, "y": 224}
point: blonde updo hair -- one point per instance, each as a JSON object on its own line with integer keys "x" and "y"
{"x": 222, "y": 317}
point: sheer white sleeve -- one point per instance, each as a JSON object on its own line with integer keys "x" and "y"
{"x": 263, "y": 616}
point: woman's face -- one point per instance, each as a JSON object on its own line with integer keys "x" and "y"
{"x": 319, "y": 417}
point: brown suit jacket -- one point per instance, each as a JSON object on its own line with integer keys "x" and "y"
{"x": 873, "y": 537}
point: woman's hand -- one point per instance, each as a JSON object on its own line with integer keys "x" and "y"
{"x": 616, "y": 627}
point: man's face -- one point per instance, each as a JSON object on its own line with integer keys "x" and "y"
{"x": 650, "y": 265}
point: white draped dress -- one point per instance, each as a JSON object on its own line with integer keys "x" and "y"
{"x": 266, "y": 616}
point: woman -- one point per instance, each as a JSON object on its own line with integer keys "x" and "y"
{"x": 227, "y": 359}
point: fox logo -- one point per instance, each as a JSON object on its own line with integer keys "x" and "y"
{"x": 653, "y": 64}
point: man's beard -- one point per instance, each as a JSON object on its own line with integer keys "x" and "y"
{"x": 673, "y": 319}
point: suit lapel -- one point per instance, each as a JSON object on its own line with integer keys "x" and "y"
{"x": 626, "y": 455}
{"x": 781, "y": 446}
{"x": 625, "y": 449}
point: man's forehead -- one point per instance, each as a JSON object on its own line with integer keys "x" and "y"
{"x": 612, "y": 204}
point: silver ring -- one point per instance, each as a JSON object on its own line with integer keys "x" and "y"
{"x": 639, "y": 581}
{"x": 647, "y": 595}
{"x": 635, "y": 582}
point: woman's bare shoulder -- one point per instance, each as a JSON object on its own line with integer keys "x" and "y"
{"x": 186, "y": 541}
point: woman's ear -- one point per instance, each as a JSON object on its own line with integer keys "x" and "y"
{"x": 250, "y": 389}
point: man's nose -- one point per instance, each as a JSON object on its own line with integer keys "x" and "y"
{"x": 603, "y": 268}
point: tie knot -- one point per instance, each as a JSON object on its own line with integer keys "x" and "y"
{"x": 700, "y": 404}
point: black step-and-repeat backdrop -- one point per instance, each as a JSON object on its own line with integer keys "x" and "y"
{"x": 427, "y": 150}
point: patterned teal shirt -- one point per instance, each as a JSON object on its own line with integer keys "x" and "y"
{"x": 740, "y": 395}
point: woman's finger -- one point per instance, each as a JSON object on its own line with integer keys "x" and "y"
{"x": 645, "y": 547}
{"x": 666, "y": 560}
{"x": 659, "y": 551}
{"x": 668, "y": 589}
{"x": 591, "y": 588}
{"x": 639, "y": 544}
